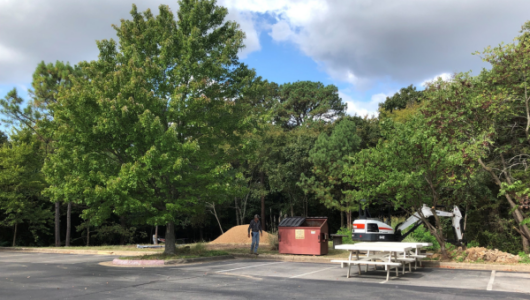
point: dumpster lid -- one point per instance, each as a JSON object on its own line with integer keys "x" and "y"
{"x": 292, "y": 222}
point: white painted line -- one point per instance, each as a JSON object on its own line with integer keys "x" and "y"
{"x": 280, "y": 262}
{"x": 312, "y": 272}
{"x": 492, "y": 278}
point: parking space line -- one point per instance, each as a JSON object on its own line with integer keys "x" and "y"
{"x": 311, "y": 272}
{"x": 280, "y": 262}
{"x": 492, "y": 278}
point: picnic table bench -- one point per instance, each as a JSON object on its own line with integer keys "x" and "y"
{"x": 383, "y": 254}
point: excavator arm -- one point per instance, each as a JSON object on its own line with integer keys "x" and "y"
{"x": 415, "y": 219}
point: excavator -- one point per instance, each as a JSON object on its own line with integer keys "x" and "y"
{"x": 369, "y": 229}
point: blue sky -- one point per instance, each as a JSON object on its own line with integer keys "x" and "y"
{"x": 368, "y": 49}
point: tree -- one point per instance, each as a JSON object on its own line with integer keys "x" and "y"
{"x": 304, "y": 101}
{"x": 150, "y": 127}
{"x": 489, "y": 116}
{"x": 3, "y": 138}
{"x": 406, "y": 96}
{"x": 410, "y": 167}
{"x": 329, "y": 157}
{"x": 21, "y": 182}
{"x": 47, "y": 80}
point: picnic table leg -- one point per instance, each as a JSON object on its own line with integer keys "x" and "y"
{"x": 358, "y": 265}
{"x": 387, "y": 272}
{"x": 397, "y": 268}
{"x": 367, "y": 255}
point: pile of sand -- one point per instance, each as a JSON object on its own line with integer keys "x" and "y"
{"x": 482, "y": 254}
{"x": 239, "y": 235}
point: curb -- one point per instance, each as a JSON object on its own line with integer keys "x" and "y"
{"x": 483, "y": 267}
{"x": 131, "y": 262}
{"x": 68, "y": 251}
{"x": 425, "y": 263}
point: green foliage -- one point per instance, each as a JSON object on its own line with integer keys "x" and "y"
{"x": 473, "y": 244}
{"x": 329, "y": 156}
{"x": 150, "y": 128}
{"x": 346, "y": 239}
{"x": 525, "y": 258}
{"x": 304, "y": 101}
{"x": 21, "y": 183}
{"x": 407, "y": 96}
{"x": 423, "y": 235}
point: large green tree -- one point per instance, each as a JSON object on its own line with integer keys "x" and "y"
{"x": 329, "y": 157}
{"x": 150, "y": 127}
{"x": 409, "y": 167}
{"x": 304, "y": 101}
{"x": 35, "y": 115}
{"x": 21, "y": 183}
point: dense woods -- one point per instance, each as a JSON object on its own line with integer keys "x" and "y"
{"x": 167, "y": 131}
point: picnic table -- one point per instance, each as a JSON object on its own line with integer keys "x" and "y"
{"x": 391, "y": 255}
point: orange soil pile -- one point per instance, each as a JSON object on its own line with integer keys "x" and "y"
{"x": 239, "y": 235}
{"x": 482, "y": 254}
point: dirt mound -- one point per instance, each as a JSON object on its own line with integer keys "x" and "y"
{"x": 239, "y": 235}
{"x": 482, "y": 254}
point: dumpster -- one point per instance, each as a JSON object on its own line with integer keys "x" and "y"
{"x": 300, "y": 235}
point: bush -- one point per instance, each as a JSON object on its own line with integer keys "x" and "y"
{"x": 525, "y": 259}
{"x": 423, "y": 235}
{"x": 198, "y": 249}
{"x": 347, "y": 239}
{"x": 472, "y": 244}
{"x": 273, "y": 240}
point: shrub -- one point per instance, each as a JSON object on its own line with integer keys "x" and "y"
{"x": 473, "y": 244}
{"x": 273, "y": 240}
{"x": 525, "y": 259}
{"x": 346, "y": 239}
{"x": 198, "y": 249}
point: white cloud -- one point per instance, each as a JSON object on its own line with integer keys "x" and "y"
{"x": 443, "y": 76}
{"x": 361, "y": 108}
{"x": 8, "y": 55}
{"x": 65, "y": 30}
{"x": 404, "y": 41}
{"x": 281, "y": 31}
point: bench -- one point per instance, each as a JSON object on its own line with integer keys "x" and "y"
{"x": 417, "y": 257}
{"x": 405, "y": 261}
{"x": 388, "y": 265}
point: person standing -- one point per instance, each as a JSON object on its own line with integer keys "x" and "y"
{"x": 255, "y": 226}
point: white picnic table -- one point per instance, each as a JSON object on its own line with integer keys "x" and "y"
{"x": 391, "y": 255}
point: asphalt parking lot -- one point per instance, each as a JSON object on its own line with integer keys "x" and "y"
{"x": 64, "y": 276}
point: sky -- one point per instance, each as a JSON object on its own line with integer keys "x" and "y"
{"x": 369, "y": 49}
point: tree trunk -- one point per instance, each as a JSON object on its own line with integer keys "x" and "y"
{"x": 350, "y": 223}
{"x": 87, "y": 234}
{"x": 217, "y": 218}
{"x": 15, "y": 235}
{"x": 517, "y": 214}
{"x": 123, "y": 224}
{"x": 68, "y": 224}
{"x": 438, "y": 234}
{"x": 156, "y": 235}
{"x": 237, "y": 211}
{"x": 57, "y": 224}
{"x": 170, "y": 248}
{"x": 262, "y": 202}
{"x": 341, "y": 219}
{"x": 525, "y": 242}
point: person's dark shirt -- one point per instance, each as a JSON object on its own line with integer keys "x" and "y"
{"x": 255, "y": 226}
